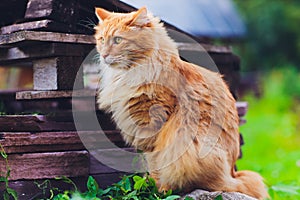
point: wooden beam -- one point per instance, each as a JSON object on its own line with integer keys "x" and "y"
{"x": 47, "y": 165}
{"x": 29, "y": 142}
{"x": 65, "y": 122}
{"x": 57, "y": 73}
{"x": 22, "y": 36}
{"x": 27, "y": 95}
{"x": 58, "y": 10}
{"x": 33, "y": 123}
{"x": 41, "y": 25}
{"x": 31, "y": 53}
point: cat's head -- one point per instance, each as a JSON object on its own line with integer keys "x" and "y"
{"x": 125, "y": 39}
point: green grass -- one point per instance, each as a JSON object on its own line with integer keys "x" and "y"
{"x": 272, "y": 134}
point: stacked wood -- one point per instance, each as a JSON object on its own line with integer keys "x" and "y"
{"x": 52, "y": 15}
{"x": 55, "y": 57}
{"x": 53, "y": 37}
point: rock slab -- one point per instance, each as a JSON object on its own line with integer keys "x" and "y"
{"x": 205, "y": 195}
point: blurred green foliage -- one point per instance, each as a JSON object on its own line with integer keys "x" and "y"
{"x": 273, "y": 33}
{"x": 272, "y": 133}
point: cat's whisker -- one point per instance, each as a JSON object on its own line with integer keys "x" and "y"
{"x": 89, "y": 23}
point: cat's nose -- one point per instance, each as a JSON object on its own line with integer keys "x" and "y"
{"x": 105, "y": 55}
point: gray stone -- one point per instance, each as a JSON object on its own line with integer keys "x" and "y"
{"x": 205, "y": 195}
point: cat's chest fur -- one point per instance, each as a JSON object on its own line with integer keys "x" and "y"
{"x": 118, "y": 86}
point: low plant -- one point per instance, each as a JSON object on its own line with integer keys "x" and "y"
{"x": 271, "y": 133}
{"x": 8, "y": 192}
{"x": 131, "y": 187}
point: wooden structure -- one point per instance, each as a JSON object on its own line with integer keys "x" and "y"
{"x": 47, "y": 36}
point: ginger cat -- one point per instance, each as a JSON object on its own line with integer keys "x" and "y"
{"x": 182, "y": 116}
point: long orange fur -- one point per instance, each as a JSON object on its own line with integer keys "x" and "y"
{"x": 181, "y": 115}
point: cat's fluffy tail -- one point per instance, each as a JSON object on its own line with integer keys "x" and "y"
{"x": 249, "y": 183}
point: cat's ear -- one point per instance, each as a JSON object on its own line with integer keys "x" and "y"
{"x": 140, "y": 18}
{"x": 102, "y": 14}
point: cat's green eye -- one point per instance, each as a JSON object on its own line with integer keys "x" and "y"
{"x": 102, "y": 40}
{"x": 117, "y": 40}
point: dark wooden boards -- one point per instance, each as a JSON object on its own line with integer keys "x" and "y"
{"x": 47, "y": 165}
{"x": 27, "y": 95}
{"x": 64, "y": 122}
{"x": 51, "y": 15}
{"x": 42, "y": 50}
{"x": 33, "y": 142}
{"x": 38, "y": 36}
{"x": 29, "y": 142}
{"x": 40, "y": 25}
{"x": 60, "y": 10}
{"x": 32, "y": 123}
{"x": 57, "y": 73}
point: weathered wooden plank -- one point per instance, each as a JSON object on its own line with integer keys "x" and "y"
{"x": 22, "y": 36}
{"x": 47, "y": 165}
{"x": 41, "y": 25}
{"x": 60, "y": 10}
{"x": 28, "y": 142}
{"x": 32, "y": 123}
{"x": 37, "y": 123}
{"x": 23, "y": 95}
{"x": 57, "y": 73}
{"x": 29, "y": 53}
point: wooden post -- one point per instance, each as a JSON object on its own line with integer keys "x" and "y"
{"x": 57, "y": 73}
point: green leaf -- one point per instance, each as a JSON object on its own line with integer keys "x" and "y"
{"x": 172, "y": 197}
{"x": 169, "y": 193}
{"x": 3, "y": 154}
{"x": 219, "y": 197}
{"x": 132, "y": 194}
{"x": 103, "y": 192}
{"x": 67, "y": 180}
{"x": 137, "y": 178}
{"x": 140, "y": 183}
{"x": 5, "y": 195}
{"x": 188, "y": 198}
{"x": 92, "y": 185}
{"x": 3, "y": 179}
{"x": 12, "y": 193}
{"x": 127, "y": 185}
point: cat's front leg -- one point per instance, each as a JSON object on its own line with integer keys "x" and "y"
{"x": 161, "y": 187}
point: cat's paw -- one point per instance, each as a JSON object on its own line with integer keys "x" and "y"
{"x": 164, "y": 189}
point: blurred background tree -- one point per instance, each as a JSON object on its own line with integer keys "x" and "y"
{"x": 273, "y": 34}
{"x": 270, "y": 59}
